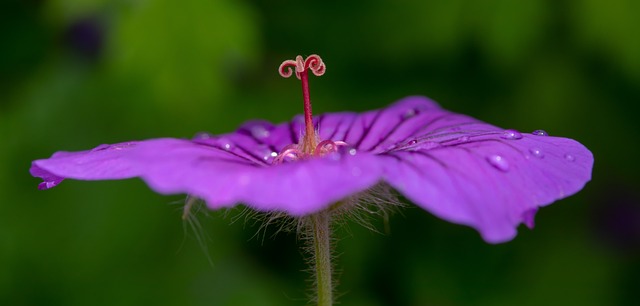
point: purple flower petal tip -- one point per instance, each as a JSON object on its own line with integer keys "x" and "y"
{"x": 458, "y": 168}
{"x": 49, "y": 180}
{"x": 528, "y": 218}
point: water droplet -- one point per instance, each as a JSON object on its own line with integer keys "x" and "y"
{"x": 410, "y": 113}
{"x": 117, "y": 146}
{"x": 463, "y": 139}
{"x": 269, "y": 155}
{"x": 536, "y": 152}
{"x": 430, "y": 145}
{"x": 427, "y": 145}
{"x": 259, "y": 131}
{"x": 121, "y": 146}
{"x": 498, "y": 162}
{"x": 225, "y": 143}
{"x": 341, "y": 152}
{"x": 47, "y": 185}
{"x": 266, "y": 152}
{"x": 202, "y": 135}
{"x": 412, "y": 142}
{"x": 540, "y": 133}
{"x": 511, "y": 135}
{"x": 569, "y": 157}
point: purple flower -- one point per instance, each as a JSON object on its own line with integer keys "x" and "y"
{"x": 456, "y": 167}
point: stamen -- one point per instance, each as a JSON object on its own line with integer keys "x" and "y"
{"x": 328, "y": 146}
{"x": 293, "y": 153}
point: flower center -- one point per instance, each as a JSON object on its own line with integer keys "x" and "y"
{"x": 310, "y": 144}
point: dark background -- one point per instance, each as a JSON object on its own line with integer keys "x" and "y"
{"x": 75, "y": 74}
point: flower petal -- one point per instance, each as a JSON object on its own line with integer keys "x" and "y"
{"x": 473, "y": 173}
{"x": 105, "y": 162}
{"x": 377, "y": 130}
{"x": 223, "y": 176}
{"x": 298, "y": 188}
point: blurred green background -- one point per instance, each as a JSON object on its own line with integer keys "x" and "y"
{"x": 78, "y": 73}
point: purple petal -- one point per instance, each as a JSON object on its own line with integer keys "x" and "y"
{"x": 377, "y": 130}
{"x": 105, "y": 162}
{"x": 463, "y": 171}
{"x": 223, "y": 177}
{"x": 529, "y": 217}
{"x": 49, "y": 180}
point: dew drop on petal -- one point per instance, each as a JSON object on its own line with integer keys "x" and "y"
{"x": 225, "y": 143}
{"x": 202, "y": 135}
{"x": 430, "y": 145}
{"x": 353, "y": 151}
{"x": 511, "y": 134}
{"x": 536, "y": 152}
{"x": 266, "y": 157}
{"x": 427, "y": 145}
{"x": 265, "y": 152}
{"x": 463, "y": 139}
{"x": 540, "y": 133}
{"x": 498, "y": 162}
{"x": 412, "y": 112}
{"x": 47, "y": 185}
{"x": 259, "y": 131}
{"x": 122, "y": 146}
{"x": 412, "y": 142}
{"x": 569, "y": 157}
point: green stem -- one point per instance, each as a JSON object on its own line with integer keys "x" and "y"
{"x": 321, "y": 239}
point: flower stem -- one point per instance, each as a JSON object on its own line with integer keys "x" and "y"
{"x": 321, "y": 239}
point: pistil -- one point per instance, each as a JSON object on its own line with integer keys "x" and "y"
{"x": 301, "y": 68}
{"x": 309, "y": 139}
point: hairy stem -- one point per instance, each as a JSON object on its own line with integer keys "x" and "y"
{"x": 321, "y": 240}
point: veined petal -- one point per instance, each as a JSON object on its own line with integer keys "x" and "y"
{"x": 105, "y": 162}
{"x": 468, "y": 172}
{"x": 223, "y": 176}
{"x": 298, "y": 188}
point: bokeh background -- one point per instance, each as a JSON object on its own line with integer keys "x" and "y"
{"x": 78, "y": 73}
